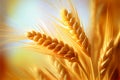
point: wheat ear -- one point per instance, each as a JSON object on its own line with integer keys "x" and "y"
{"x": 79, "y": 71}
{"x": 76, "y": 68}
{"x": 105, "y": 60}
{"x": 58, "y": 48}
{"x": 62, "y": 71}
{"x": 74, "y": 25}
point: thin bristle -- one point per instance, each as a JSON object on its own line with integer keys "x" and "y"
{"x": 70, "y": 21}
{"x": 59, "y": 48}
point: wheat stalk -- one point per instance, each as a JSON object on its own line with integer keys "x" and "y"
{"x": 106, "y": 58}
{"x": 74, "y": 25}
{"x": 58, "y": 48}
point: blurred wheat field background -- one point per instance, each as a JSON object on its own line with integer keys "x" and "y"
{"x": 59, "y": 40}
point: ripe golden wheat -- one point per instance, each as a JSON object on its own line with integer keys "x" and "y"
{"x": 58, "y": 48}
{"x": 74, "y": 25}
{"x": 72, "y": 56}
{"x": 63, "y": 72}
{"x": 106, "y": 58}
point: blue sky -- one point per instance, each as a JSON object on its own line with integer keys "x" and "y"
{"x": 28, "y": 12}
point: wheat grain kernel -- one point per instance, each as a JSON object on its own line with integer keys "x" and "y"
{"x": 47, "y": 42}
{"x": 69, "y": 16}
{"x": 52, "y": 46}
{"x": 28, "y": 34}
{"x": 33, "y": 33}
{"x": 36, "y": 38}
{"x": 57, "y": 48}
{"x": 41, "y": 40}
{"x": 72, "y": 21}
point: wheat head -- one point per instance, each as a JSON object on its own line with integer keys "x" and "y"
{"x": 106, "y": 58}
{"x": 62, "y": 71}
{"x": 74, "y": 25}
{"x": 59, "y": 48}
{"x": 76, "y": 68}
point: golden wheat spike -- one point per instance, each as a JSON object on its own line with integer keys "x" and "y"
{"x": 59, "y": 48}
{"x": 62, "y": 71}
{"x": 76, "y": 67}
{"x": 106, "y": 58}
{"x": 78, "y": 71}
{"x": 70, "y": 21}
